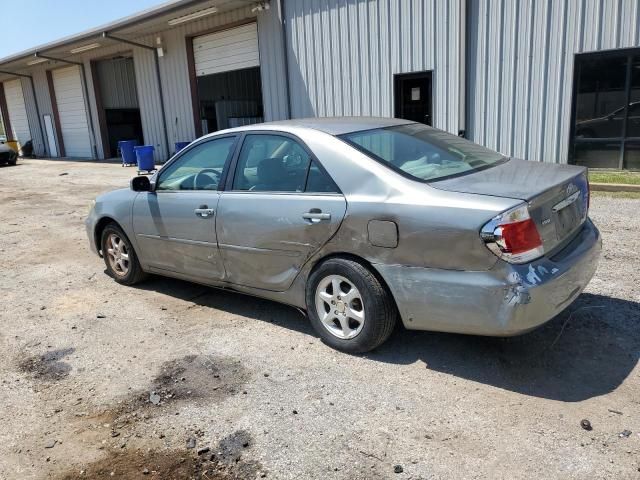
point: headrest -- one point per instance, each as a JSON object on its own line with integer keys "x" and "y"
{"x": 271, "y": 170}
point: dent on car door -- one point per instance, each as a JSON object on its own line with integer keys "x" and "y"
{"x": 281, "y": 208}
{"x": 175, "y": 224}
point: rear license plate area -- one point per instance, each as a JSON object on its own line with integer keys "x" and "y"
{"x": 569, "y": 214}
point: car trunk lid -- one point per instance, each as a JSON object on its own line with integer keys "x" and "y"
{"x": 557, "y": 195}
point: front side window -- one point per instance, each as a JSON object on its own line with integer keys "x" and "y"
{"x": 422, "y": 152}
{"x": 199, "y": 168}
{"x": 275, "y": 163}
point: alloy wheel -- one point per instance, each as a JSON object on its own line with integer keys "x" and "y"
{"x": 117, "y": 255}
{"x": 340, "y": 307}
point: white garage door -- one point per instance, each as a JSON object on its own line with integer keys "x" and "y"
{"x": 67, "y": 85}
{"x": 232, "y": 49}
{"x": 17, "y": 112}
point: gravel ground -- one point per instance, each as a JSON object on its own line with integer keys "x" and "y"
{"x": 102, "y": 381}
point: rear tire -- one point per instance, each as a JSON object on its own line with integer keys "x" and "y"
{"x": 349, "y": 307}
{"x": 120, "y": 257}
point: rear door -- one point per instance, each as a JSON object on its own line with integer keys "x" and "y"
{"x": 175, "y": 224}
{"x": 279, "y": 208}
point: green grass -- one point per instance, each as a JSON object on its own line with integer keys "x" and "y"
{"x": 634, "y": 195}
{"x": 629, "y": 178}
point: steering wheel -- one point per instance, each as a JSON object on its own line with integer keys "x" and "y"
{"x": 199, "y": 180}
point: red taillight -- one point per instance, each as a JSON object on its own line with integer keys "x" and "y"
{"x": 513, "y": 236}
{"x": 520, "y": 237}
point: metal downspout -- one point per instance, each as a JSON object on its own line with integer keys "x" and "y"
{"x": 463, "y": 38}
{"x": 158, "y": 77}
{"x": 286, "y": 56}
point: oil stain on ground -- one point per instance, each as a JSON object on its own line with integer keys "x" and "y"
{"x": 48, "y": 366}
{"x": 227, "y": 463}
{"x": 193, "y": 379}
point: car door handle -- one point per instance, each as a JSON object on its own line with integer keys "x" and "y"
{"x": 316, "y": 216}
{"x": 204, "y": 212}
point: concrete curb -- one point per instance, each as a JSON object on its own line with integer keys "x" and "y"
{"x": 614, "y": 187}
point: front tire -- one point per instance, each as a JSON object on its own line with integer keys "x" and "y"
{"x": 120, "y": 257}
{"x": 349, "y": 307}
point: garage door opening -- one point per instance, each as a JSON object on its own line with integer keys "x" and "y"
{"x": 227, "y": 68}
{"x": 117, "y": 102}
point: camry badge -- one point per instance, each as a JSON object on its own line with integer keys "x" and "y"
{"x": 571, "y": 188}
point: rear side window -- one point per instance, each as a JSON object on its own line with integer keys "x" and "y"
{"x": 422, "y": 152}
{"x": 275, "y": 163}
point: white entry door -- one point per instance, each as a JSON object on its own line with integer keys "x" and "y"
{"x": 17, "y": 112}
{"x": 67, "y": 85}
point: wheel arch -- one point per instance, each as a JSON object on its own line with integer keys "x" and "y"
{"x": 99, "y": 228}
{"x": 355, "y": 258}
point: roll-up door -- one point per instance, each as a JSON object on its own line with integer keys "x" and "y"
{"x": 17, "y": 112}
{"x": 233, "y": 49}
{"x": 67, "y": 85}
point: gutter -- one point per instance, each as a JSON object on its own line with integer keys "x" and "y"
{"x": 149, "y": 14}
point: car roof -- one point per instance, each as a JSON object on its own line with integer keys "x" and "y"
{"x": 331, "y": 125}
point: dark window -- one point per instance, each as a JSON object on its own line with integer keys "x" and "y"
{"x": 422, "y": 152}
{"x": 271, "y": 163}
{"x": 318, "y": 181}
{"x": 199, "y": 168}
{"x": 275, "y": 163}
{"x": 607, "y": 110}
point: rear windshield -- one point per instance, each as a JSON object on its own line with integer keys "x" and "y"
{"x": 422, "y": 152}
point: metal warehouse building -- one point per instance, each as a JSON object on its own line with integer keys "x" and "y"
{"x": 545, "y": 80}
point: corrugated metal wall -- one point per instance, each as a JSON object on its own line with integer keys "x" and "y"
{"x": 520, "y": 68}
{"x": 342, "y": 55}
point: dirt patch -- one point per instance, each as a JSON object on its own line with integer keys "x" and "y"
{"x": 226, "y": 463}
{"x": 193, "y": 378}
{"x": 48, "y": 366}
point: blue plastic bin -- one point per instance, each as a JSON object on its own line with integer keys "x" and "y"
{"x": 126, "y": 151}
{"x": 144, "y": 154}
{"x": 181, "y": 145}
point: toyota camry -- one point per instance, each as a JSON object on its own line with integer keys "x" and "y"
{"x": 362, "y": 223}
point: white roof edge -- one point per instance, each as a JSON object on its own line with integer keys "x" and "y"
{"x": 129, "y": 20}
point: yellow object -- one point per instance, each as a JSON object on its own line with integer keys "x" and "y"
{"x": 13, "y": 145}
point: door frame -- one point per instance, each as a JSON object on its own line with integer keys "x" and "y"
{"x": 228, "y": 181}
{"x": 4, "y": 112}
{"x": 97, "y": 92}
{"x": 397, "y": 90}
{"x": 191, "y": 65}
{"x": 56, "y": 115}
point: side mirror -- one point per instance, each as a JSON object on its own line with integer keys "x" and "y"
{"x": 141, "y": 184}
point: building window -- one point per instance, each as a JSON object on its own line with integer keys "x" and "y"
{"x": 606, "y": 119}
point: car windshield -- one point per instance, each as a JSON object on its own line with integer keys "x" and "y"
{"x": 422, "y": 152}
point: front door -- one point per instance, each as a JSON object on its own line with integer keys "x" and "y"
{"x": 281, "y": 208}
{"x": 413, "y": 97}
{"x": 175, "y": 224}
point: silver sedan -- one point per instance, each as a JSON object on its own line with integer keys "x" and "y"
{"x": 362, "y": 222}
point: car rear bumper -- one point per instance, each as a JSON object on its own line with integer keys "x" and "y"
{"x": 507, "y": 300}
